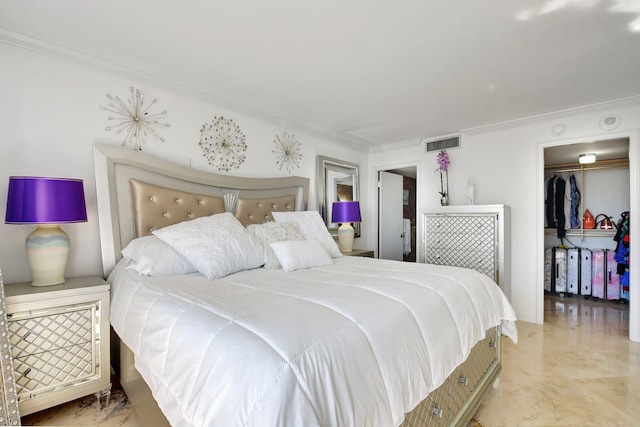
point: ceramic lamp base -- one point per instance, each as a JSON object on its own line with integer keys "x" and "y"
{"x": 47, "y": 251}
{"x": 345, "y": 237}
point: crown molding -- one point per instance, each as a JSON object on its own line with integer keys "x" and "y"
{"x": 91, "y": 61}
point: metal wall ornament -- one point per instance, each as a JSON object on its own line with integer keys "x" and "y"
{"x": 223, "y": 144}
{"x": 135, "y": 119}
{"x": 287, "y": 151}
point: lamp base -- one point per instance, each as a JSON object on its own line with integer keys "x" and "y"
{"x": 47, "y": 251}
{"x": 345, "y": 237}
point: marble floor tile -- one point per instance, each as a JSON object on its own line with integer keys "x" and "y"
{"x": 577, "y": 369}
{"x": 85, "y": 412}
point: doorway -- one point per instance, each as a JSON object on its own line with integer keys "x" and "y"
{"x": 600, "y": 193}
{"x": 397, "y": 213}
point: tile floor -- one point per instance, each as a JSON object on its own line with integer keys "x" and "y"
{"x": 578, "y": 369}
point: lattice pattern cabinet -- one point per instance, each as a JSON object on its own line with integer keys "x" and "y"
{"x": 475, "y": 237}
{"x": 59, "y": 341}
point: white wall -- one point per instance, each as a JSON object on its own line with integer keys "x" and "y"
{"x": 506, "y": 160}
{"x": 50, "y": 118}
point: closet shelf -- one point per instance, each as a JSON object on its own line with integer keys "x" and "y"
{"x": 584, "y": 233}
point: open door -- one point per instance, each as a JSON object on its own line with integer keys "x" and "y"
{"x": 390, "y": 237}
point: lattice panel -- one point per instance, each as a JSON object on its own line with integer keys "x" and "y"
{"x": 443, "y": 405}
{"x": 65, "y": 366}
{"x": 50, "y": 331}
{"x": 54, "y": 348}
{"x": 463, "y": 240}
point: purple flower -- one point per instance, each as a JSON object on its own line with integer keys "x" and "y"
{"x": 443, "y": 166}
{"x": 443, "y": 161}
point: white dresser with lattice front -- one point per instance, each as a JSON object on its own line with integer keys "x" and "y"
{"x": 475, "y": 236}
{"x": 60, "y": 341}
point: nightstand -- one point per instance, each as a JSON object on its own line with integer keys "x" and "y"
{"x": 359, "y": 252}
{"x": 60, "y": 341}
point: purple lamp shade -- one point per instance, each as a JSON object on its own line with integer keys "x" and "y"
{"x": 39, "y": 200}
{"x": 345, "y": 212}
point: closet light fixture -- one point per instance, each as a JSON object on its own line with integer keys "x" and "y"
{"x": 587, "y": 158}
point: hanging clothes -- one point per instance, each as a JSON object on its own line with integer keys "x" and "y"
{"x": 622, "y": 239}
{"x": 567, "y": 204}
{"x": 560, "y": 190}
{"x": 622, "y": 242}
{"x": 550, "y": 202}
{"x": 574, "y": 196}
{"x": 562, "y": 204}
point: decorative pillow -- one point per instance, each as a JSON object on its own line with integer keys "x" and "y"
{"x": 271, "y": 232}
{"x": 312, "y": 227}
{"x": 299, "y": 254}
{"x": 151, "y": 256}
{"x": 216, "y": 245}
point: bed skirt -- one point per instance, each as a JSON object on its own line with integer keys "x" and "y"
{"x": 452, "y": 404}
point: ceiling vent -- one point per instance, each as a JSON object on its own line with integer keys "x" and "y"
{"x": 440, "y": 144}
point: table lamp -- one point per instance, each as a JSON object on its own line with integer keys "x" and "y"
{"x": 46, "y": 202}
{"x": 345, "y": 213}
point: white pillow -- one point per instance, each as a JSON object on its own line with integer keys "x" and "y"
{"x": 216, "y": 245}
{"x": 151, "y": 256}
{"x": 299, "y": 254}
{"x": 312, "y": 227}
{"x": 271, "y": 232}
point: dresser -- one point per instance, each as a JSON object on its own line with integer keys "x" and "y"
{"x": 60, "y": 341}
{"x": 475, "y": 236}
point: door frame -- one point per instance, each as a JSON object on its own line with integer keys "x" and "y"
{"x": 375, "y": 226}
{"x": 634, "y": 207}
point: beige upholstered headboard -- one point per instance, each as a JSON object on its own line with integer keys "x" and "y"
{"x": 138, "y": 193}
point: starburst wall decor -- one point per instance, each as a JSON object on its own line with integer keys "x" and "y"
{"x": 134, "y": 119}
{"x": 287, "y": 151}
{"x": 223, "y": 144}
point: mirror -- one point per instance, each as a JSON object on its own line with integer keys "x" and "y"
{"x": 9, "y": 413}
{"x": 336, "y": 181}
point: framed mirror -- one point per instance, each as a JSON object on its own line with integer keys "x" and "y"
{"x": 336, "y": 181}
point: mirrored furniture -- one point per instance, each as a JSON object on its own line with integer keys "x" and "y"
{"x": 9, "y": 414}
{"x": 59, "y": 339}
{"x": 336, "y": 181}
{"x": 474, "y": 236}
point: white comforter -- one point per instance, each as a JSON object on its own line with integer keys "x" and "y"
{"x": 356, "y": 343}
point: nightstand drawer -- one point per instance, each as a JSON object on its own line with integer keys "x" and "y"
{"x": 59, "y": 338}
{"x": 64, "y": 367}
{"x": 50, "y": 329}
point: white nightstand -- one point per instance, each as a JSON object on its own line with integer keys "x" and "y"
{"x": 60, "y": 341}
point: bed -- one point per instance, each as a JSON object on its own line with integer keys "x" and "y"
{"x": 324, "y": 340}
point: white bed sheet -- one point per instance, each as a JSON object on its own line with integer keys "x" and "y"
{"x": 356, "y": 343}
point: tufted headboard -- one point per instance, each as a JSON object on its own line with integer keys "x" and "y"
{"x": 138, "y": 193}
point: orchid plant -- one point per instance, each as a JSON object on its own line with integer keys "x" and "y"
{"x": 443, "y": 167}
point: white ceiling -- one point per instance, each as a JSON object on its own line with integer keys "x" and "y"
{"x": 368, "y": 72}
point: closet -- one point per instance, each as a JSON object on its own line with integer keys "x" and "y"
{"x": 602, "y": 188}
